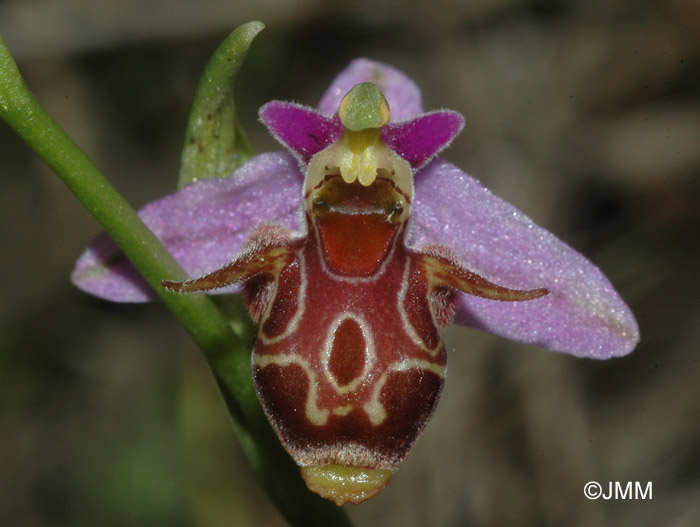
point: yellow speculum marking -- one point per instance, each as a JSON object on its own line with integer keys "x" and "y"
{"x": 316, "y": 415}
{"x": 342, "y": 411}
{"x": 344, "y": 484}
{"x": 370, "y": 354}
{"x": 375, "y": 410}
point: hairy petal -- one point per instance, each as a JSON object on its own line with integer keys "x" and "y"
{"x": 401, "y": 93}
{"x": 203, "y": 225}
{"x": 583, "y": 314}
{"x": 302, "y": 130}
{"x": 419, "y": 140}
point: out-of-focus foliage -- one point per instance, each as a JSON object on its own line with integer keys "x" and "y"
{"x": 586, "y": 115}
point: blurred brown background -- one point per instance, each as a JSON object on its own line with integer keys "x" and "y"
{"x": 585, "y": 114}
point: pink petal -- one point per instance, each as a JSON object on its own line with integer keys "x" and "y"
{"x": 583, "y": 314}
{"x": 203, "y": 225}
{"x": 419, "y": 140}
{"x": 401, "y": 93}
{"x": 302, "y": 130}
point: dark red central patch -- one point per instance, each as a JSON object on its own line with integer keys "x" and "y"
{"x": 347, "y": 360}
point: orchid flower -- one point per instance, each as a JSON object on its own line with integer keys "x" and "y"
{"x": 354, "y": 247}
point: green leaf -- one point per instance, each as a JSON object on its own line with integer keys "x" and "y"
{"x": 215, "y": 143}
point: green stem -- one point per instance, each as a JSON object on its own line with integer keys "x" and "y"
{"x": 227, "y": 354}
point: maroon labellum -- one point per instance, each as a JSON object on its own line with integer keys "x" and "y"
{"x": 348, "y": 361}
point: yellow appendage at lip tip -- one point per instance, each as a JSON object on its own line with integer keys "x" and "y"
{"x": 344, "y": 484}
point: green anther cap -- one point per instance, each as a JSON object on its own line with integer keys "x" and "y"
{"x": 364, "y": 106}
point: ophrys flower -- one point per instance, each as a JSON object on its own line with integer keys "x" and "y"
{"x": 355, "y": 248}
